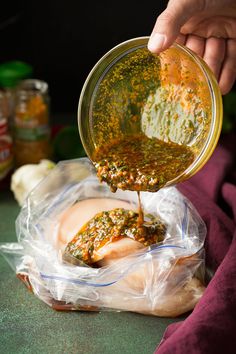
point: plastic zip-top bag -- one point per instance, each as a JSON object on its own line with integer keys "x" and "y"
{"x": 164, "y": 279}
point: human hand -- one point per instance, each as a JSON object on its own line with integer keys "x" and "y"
{"x": 208, "y": 27}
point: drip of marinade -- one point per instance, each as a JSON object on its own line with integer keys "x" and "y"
{"x": 135, "y": 163}
{"x": 140, "y": 220}
{"x": 139, "y": 163}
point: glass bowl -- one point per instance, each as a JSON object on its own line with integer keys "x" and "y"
{"x": 172, "y": 96}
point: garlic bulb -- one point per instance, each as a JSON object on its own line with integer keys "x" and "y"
{"x": 26, "y": 177}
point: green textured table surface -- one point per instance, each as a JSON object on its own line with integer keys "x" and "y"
{"x": 27, "y": 325}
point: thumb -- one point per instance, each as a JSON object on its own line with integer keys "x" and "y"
{"x": 169, "y": 23}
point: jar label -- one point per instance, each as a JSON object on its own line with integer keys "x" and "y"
{"x": 33, "y": 133}
{"x": 6, "y": 155}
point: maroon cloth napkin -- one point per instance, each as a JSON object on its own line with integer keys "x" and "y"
{"x": 211, "y": 327}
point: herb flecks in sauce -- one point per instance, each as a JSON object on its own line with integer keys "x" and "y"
{"x": 111, "y": 226}
{"x": 139, "y": 163}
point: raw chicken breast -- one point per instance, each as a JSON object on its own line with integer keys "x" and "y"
{"x": 110, "y": 233}
{"x": 152, "y": 287}
{"x": 80, "y": 213}
{"x": 150, "y": 302}
{"x": 156, "y": 288}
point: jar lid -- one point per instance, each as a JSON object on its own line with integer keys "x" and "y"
{"x": 33, "y": 86}
{"x": 14, "y": 71}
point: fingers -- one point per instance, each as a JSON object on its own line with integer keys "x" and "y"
{"x": 228, "y": 72}
{"x": 214, "y": 54}
{"x": 196, "y": 44}
{"x": 168, "y": 24}
{"x": 220, "y": 55}
{"x": 181, "y": 39}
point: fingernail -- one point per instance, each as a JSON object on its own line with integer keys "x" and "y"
{"x": 156, "y": 42}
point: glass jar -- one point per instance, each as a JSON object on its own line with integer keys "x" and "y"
{"x": 11, "y": 74}
{"x": 172, "y": 96}
{"x": 31, "y": 122}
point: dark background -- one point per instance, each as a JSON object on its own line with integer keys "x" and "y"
{"x": 62, "y": 40}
